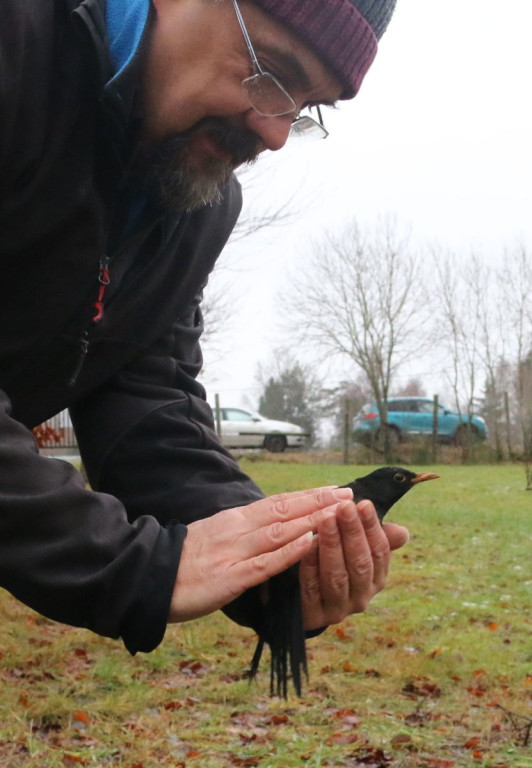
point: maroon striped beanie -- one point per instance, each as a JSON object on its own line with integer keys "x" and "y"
{"x": 343, "y": 33}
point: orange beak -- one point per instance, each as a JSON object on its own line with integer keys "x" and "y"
{"x": 424, "y": 476}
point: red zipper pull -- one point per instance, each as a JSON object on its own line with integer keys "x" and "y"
{"x": 104, "y": 278}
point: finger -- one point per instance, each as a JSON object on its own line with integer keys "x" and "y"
{"x": 397, "y": 535}
{"x": 358, "y": 557}
{"x": 259, "y": 569}
{"x": 304, "y": 491}
{"x": 309, "y": 581}
{"x": 377, "y": 541}
{"x": 333, "y": 571}
{"x": 289, "y": 506}
{"x": 277, "y": 534}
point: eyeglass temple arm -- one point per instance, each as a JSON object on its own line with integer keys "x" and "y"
{"x": 247, "y": 38}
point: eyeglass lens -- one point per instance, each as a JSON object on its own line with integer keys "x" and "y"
{"x": 267, "y": 95}
{"x": 307, "y": 128}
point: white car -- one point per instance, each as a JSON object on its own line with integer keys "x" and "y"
{"x": 242, "y": 429}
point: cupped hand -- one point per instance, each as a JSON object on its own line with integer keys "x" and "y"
{"x": 242, "y": 547}
{"x": 347, "y": 564}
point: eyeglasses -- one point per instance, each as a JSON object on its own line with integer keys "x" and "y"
{"x": 269, "y": 98}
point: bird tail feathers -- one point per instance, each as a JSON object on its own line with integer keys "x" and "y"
{"x": 283, "y": 631}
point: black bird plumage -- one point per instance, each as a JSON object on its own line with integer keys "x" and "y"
{"x": 385, "y": 486}
{"x": 282, "y": 627}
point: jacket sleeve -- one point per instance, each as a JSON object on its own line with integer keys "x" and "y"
{"x": 72, "y": 555}
{"x": 148, "y": 438}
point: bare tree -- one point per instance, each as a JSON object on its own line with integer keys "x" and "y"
{"x": 462, "y": 299}
{"x": 524, "y": 384}
{"x": 516, "y": 276}
{"x": 261, "y": 213}
{"x": 217, "y": 310}
{"x": 493, "y": 349}
{"x": 413, "y": 388}
{"x": 485, "y": 320}
{"x": 339, "y": 405}
{"x": 359, "y": 298}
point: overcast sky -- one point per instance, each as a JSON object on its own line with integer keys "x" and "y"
{"x": 439, "y": 137}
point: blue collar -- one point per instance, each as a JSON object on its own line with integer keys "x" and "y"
{"x": 126, "y": 21}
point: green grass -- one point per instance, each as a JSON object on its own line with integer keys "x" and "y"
{"x": 437, "y": 672}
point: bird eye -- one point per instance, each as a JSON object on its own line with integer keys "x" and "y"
{"x": 399, "y": 477}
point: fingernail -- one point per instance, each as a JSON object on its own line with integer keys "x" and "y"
{"x": 303, "y": 540}
{"x": 348, "y": 512}
{"x": 365, "y": 507}
{"x": 343, "y": 493}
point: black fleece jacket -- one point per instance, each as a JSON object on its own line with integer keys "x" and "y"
{"x": 104, "y": 559}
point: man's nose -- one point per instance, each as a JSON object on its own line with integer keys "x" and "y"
{"x": 272, "y": 131}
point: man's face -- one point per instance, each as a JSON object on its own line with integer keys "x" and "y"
{"x": 197, "y": 123}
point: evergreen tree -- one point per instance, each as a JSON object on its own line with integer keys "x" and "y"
{"x": 291, "y": 395}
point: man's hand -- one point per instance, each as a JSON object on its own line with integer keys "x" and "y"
{"x": 347, "y": 564}
{"x": 240, "y": 548}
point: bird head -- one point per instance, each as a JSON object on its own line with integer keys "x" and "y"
{"x": 385, "y": 486}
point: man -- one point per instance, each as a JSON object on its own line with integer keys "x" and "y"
{"x": 121, "y": 124}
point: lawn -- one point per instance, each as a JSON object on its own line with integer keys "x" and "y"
{"x": 437, "y": 673}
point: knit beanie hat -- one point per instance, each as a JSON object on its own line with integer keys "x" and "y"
{"x": 343, "y": 33}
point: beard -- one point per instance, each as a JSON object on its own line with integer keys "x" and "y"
{"x": 180, "y": 177}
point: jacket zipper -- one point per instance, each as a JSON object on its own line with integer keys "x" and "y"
{"x": 84, "y": 348}
{"x": 104, "y": 278}
{"x": 83, "y": 14}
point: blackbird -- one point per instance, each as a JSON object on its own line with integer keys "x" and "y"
{"x": 282, "y": 626}
{"x": 385, "y": 486}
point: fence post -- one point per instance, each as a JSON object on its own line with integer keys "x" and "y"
{"x": 434, "y": 429}
{"x": 218, "y": 415}
{"x": 347, "y": 430}
{"x": 508, "y": 425}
